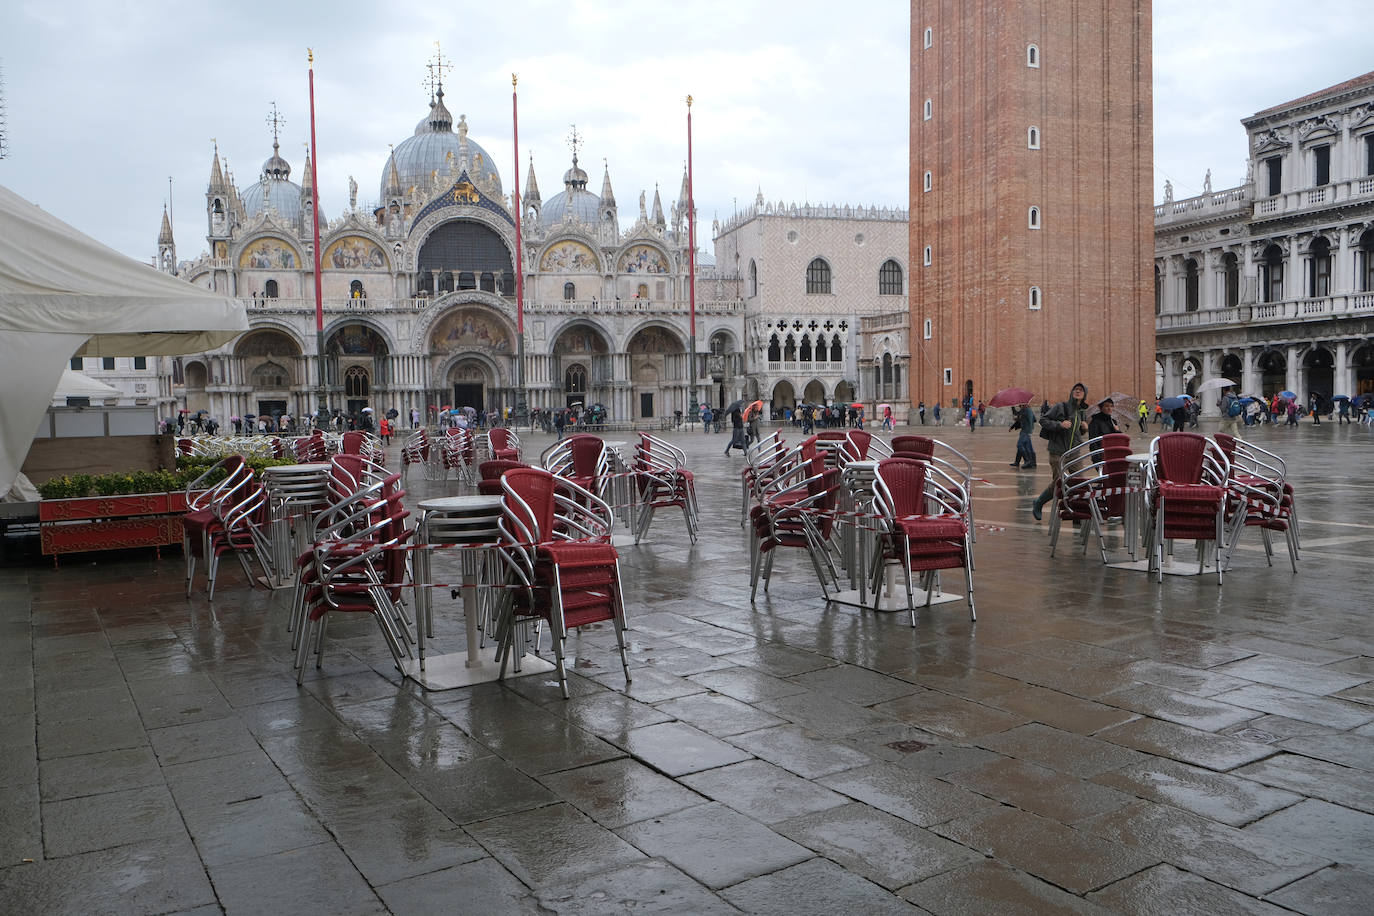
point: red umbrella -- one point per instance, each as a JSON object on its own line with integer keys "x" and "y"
{"x": 1011, "y": 397}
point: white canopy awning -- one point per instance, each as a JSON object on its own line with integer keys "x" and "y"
{"x": 63, "y": 294}
{"x": 75, "y": 384}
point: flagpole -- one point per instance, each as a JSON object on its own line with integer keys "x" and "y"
{"x": 321, "y": 392}
{"x": 693, "y": 408}
{"x": 521, "y": 394}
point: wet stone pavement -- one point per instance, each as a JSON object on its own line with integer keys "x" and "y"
{"x": 1095, "y": 743}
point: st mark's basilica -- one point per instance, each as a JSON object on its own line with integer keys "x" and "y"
{"x": 419, "y": 291}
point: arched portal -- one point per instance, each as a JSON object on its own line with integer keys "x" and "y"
{"x": 464, "y": 255}
{"x": 1232, "y": 367}
{"x": 472, "y": 384}
{"x": 1192, "y": 375}
{"x": 657, "y": 367}
{"x": 357, "y": 351}
{"x": 1273, "y": 370}
{"x": 784, "y": 395}
{"x": 1319, "y": 368}
{"x": 1362, "y": 364}
{"x": 582, "y": 362}
{"x": 814, "y": 392}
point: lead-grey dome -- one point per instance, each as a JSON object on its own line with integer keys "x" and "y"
{"x": 420, "y": 156}
{"x": 574, "y": 199}
{"x": 274, "y": 186}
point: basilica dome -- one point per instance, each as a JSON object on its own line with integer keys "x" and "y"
{"x": 436, "y": 148}
{"x": 574, "y": 199}
{"x": 274, "y": 186}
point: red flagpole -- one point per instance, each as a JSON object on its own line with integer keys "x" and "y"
{"x": 322, "y": 417}
{"x": 693, "y": 407}
{"x": 522, "y": 401}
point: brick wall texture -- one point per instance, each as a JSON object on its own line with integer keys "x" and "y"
{"x": 1091, "y": 179}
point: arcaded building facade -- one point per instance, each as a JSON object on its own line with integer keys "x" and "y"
{"x": 1271, "y": 283}
{"x": 1031, "y": 220}
{"x": 419, "y": 292}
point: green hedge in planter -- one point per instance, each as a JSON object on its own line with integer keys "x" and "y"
{"x": 77, "y": 486}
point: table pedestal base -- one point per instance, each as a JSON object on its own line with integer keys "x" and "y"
{"x": 894, "y": 602}
{"x": 450, "y": 671}
{"x": 1171, "y": 567}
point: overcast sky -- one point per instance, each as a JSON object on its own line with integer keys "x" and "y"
{"x": 806, "y": 100}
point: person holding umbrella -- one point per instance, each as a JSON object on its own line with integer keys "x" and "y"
{"x": 1064, "y": 425}
{"x": 736, "y": 412}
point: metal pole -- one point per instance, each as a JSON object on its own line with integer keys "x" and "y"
{"x": 321, "y": 393}
{"x": 521, "y": 394}
{"x": 693, "y": 407}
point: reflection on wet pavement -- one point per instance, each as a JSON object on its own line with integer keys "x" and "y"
{"x": 1096, "y": 742}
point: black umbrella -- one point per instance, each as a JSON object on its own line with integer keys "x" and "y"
{"x": 737, "y": 405}
{"x": 392, "y": 414}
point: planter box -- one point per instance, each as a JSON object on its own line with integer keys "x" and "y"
{"x": 110, "y": 522}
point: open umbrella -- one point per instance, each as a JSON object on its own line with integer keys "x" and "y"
{"x": 1340, "y": 397}
{"x": 1011, "y": 397}
{"x": 1288, "y": 395}
{"x": 392, "y": 414}
{"x": 735, "y": 405}
{"x": 470, "y": 411}
{"x": 1126, "y": 403}
{"x": 367, "y": 410}
{"x": 881, "y": 407}
{"x": 1174, "y": 403}
{"x": 1217, "y": 382}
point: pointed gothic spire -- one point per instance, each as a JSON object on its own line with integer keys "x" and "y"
{"x": 659, "y": 221}
{"x": 164, "y": 236}
{"x": 531, "y": 194}
{"x": 607, "y": 196}
{"x": 217, "y": 183}
{"x": 682, "y": 194}
{"x": 393, "y": 176}
{"x": 305, "y": 179}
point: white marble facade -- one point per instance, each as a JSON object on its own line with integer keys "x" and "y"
{"x": 1271, "y": 283}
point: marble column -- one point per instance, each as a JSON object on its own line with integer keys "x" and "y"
{"x": 1249, "y": 378}
{"x": 1291, "y": 370}
{"x": 1341, "y": 377}
{"x": 1173, "y": 378}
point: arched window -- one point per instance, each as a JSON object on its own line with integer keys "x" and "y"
{"x": 1159, "y": 291}
{"x": 269, "y": 289}
{"x": 1230, "y": 270}
{"x": 1366, "y": 260}
{"x": 356, "y": 382}
{"x": 836, "y": 350}
{"x": 927, "y": 329}
{"x": 1271, "y": 274}
{"x": 753, "y": 278}
{"x": 887, "y": 374}
{"x": 1032, "y": 56}
{"x": 356, "y": 291}
{"x": 569, "y": 292}
{"x": 927, "y": 182}
{"x": 804, "y": 354}
{"x": 926, "y": 110}
{"x": 1319, "y": 273}
{"x": 1032, "y": 137}
{"x": 890, "y": 278}
{"x": 1190, "y": 285}
{"x": 467, "y": 279}
{"x": 926, "y": 256}
{"x": 789, "y": 350}
{"x": 1033, "y": 218}
{"x": 818, "y": 276}
{"x": 1033, "y": 299}
{"x": 575, "y": 379}
{"x": 774, "y": 349}
{"x": 929, "y": 37}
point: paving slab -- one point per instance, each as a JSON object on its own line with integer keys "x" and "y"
{"x": 676, "y": 748}
{"x": 1221, "y": 797}
{"x": 765, "y": 792}
{"x": 1343, "y": 835}
{"x": 991, "y": 887}
{"x": 553, "y": 843}
{"x": 1336, "y": 891}
{"x": 815, "y": 886}
{"x": 1166, "y": 891}
{"x": 715, "y": 845}
{"x": 620, "y": 792}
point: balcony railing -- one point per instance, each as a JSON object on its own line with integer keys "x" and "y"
{"x": 1204, "y": 206}
{"x": 809, "y": 368}
{"x": 1328, "y": 195}
{"x": 1348, "y": 305}
{"x": 549, "y": 306}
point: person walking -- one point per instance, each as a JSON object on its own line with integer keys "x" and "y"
{"x": 1064, "y": 425}
{"x": 1103, "y": 423}
{"x": 1025, "y": 446}
{"x": 384, "y": 428}
{"x": 1230, "y": 412}
{"x": 1144, "y": 415}
{"x": 1314, "y": 403}
{"x": 937, "y": 413}
{"x": 706, "y": 418}
{"x": 736, "y": 431}
{"x": 982, "y": 414}
{"x": 921, "y": 411}
{"x": 887, "y": 418}
{"x": 1343, "y": 412}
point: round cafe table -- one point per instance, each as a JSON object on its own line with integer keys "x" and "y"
{"x": 469, "y": 523}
